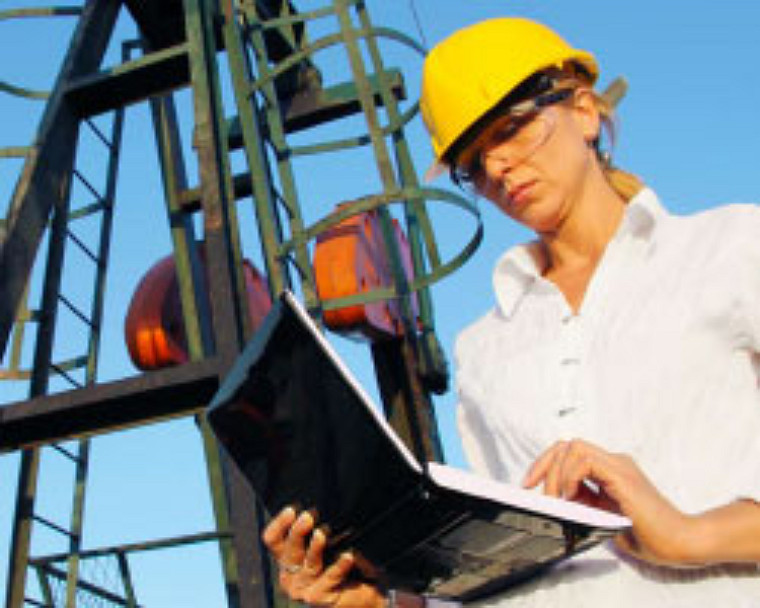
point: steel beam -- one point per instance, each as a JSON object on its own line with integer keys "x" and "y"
{"x": 152, "y": 75}
{"x": 106, "y": 407}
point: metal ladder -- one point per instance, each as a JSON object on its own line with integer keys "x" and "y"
{"x": 266, "y": 123}
{"x": 76, "y": 371}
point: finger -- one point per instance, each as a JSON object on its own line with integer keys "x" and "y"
{"x": 586, "y": 463}
{"x": 554, "y": 475}
{"x": 327, "y": 587}
{"x": 577, "y": 466}
{"x": 592, "y": 472}
{"x": 314, "y": 560}
{"x": 541, "y": 466}
{"x": 590, "y": 497}
{"x": 572, "y": 463}
{"x": 295, "y": 544}
{"x": 276, "y": 532}
{"x": 334, "y": 576}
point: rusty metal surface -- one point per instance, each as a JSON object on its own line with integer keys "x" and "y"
{"x": 109, "y": 406}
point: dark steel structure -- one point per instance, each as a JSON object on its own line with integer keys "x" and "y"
{"x": 253, "y": 73}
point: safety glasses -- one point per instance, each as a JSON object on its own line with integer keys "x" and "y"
{"x": 510, "y": 139}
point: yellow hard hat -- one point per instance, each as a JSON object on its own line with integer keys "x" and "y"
{"x": 471, "y": 71}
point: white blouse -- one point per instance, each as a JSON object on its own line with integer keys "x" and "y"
{"x": 661, "y": 362}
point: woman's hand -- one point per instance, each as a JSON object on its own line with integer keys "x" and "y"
{"x": 660, "y": 534}
{"x": 299, "y": 550}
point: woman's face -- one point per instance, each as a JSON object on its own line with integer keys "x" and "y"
{"x": 534, "y": 168}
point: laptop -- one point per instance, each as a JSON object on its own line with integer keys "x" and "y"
{"x": 304, "y": 432}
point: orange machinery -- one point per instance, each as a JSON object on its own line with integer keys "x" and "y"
{"x": 154, "y": 329}
{"x": 349, "y": 259}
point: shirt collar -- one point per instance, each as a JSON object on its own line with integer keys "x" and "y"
{"x": 521, "y": 266}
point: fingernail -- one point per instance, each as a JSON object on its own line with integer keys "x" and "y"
{"x": 287, "y": 513}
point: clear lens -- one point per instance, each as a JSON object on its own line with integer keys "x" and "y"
{"x": 517, "y": 135}
{"x": 515, "y": 143}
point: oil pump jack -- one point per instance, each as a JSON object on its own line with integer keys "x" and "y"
{"x": 256, "y": 76}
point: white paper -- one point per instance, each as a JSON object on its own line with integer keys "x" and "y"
{"x": 529, "y": 500}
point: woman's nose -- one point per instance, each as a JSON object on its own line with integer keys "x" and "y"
{"x": 497, "y": 164}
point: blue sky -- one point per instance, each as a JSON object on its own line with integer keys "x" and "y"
{"x": 689, "y": 126}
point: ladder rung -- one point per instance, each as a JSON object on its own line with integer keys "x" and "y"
{"x": 27, "y": 316}
{"x": 15, "y": 374}
{"x": 99, "y": 133}
{"x": 33, "y": 602}
{"x": 89, "y": 588}
{"x": 14, "y": 151}
{"x": 62, "y": 372}
{"x": 78, "y": 313}
{"x": 190, "y": 198}
{"x": 85, "y": 249}
{"x": 53, "y": 526}
{"x": 85, "y": 182}
{"x": 73, "y": 457}
{"x": 74, "y": 363}
{"x": 88, "y": 210}
{"x": 42, "y": 11}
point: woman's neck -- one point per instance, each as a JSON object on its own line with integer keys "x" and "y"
{"x": 574, "y": 249}
{"x": 590, "y": 224}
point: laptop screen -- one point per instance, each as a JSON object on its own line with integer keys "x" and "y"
{"x": 303, "y": 435}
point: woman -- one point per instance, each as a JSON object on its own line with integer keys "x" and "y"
{"x": 619, "y": 366}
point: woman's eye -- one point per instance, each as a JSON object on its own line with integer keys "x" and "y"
{"x": 510, "y": 129}
{"x": 506, "y": 132}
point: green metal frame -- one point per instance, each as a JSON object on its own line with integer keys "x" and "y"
{"x": 406, "y": 391}
{"x": 52, "y": 298}
{"x": 275, "y": 92}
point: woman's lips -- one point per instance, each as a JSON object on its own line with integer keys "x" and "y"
{"x": 518, "y": 194}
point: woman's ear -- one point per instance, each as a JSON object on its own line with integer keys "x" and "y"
{"x": 587, "y": 114}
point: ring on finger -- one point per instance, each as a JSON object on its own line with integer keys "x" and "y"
{"x": 311, "y": 570}
{"x": 291, "y": 568}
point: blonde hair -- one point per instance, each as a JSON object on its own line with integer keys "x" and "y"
{"x": 626, "y": 184}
